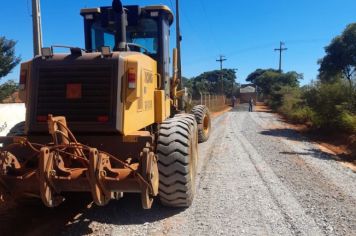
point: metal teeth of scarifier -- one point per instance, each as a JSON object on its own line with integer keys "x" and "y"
{"x": 68, "y": 166}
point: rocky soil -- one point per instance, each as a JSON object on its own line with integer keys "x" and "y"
{"x": 255, "y": 177}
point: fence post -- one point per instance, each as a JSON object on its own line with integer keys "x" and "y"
{"x": 209, "y": 102}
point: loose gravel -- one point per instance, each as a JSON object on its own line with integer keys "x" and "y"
{"x": 255, "y": 177}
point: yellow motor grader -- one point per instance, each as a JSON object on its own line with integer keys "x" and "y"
{"x": 106, "y": 119}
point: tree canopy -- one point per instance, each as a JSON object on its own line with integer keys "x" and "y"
{"x": 340, "y": 58}
{"x": 8, "y": 59}
{"x": 268, "y": 80}
{"x": 213, "y": 82}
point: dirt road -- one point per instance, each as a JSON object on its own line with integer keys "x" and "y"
{"x": 255, "y": 177}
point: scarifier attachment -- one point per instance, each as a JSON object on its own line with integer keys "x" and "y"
{"x": 65, "y": 165}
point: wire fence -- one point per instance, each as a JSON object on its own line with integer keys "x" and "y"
{"x": 212, "y": 101}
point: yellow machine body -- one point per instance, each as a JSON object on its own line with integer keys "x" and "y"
{"x": 103, "y": 119}
{"x": 145, "y": 104}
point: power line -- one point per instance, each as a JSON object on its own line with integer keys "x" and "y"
{"x": 171, "y": 3}
{"x": 280, "y": 49}
{"x": 194, "y": 30}
{"x": 209, "y": 24}
{"x": 28, "y": 8}
{"x": 253, "y": 48}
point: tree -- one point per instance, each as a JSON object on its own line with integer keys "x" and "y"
{"x": 270, "y": 80}
{"x": 8, "y": 59}
{"x": 257, "y": 73}
{"x": 7, "y": 89}
{"x": 340, "y": 58}
{"x": 214, "y": 82}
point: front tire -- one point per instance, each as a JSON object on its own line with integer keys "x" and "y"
{"x": 177, "y": 161}
{"x": 202, "y": 116}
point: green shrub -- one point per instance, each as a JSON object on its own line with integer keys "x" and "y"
{"x": 302, "y": 115}
{"x": 328, "y": 102}
{"x": 347, "y": 122}
{"x": 7, "y": 89}
{"x": 289, "y": 102}
{"x": 277, "y": 95}
{"x": 322, "y": 105}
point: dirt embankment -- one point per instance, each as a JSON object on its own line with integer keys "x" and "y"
{"x": 342, "y": 146}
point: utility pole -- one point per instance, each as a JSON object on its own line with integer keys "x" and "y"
{"x": 178, "y": 40}
{"x": 37, "y": 27}
{"x": 280, "y": 49}
{"x": 179, "y": 61}
{"x": 221, "y": 60}
{"x": 233, "y": 82}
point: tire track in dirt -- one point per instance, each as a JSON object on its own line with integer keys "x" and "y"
{"x": 294, "y": 216}
{"x": 322, "y": 186}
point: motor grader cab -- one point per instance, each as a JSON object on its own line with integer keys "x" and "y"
{"x": 105, "y": 119}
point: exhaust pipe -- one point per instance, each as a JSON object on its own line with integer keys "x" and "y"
{"x": 121, "y": 24}
{"x": 37, "y": 27}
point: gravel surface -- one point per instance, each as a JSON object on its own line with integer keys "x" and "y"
{"x": 255, "y": 177}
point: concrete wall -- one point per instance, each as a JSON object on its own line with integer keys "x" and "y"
{"x": 10, "y": 115}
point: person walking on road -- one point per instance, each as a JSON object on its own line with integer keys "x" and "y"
{"x": 250, "y": 107}
{"x": 233, "y": 99}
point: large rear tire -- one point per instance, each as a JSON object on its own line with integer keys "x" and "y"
{"x": 17, "y": 130}
{"x": 202, "y": 116}
{"x": 177, "y": 161}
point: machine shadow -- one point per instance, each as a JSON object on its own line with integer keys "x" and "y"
{"x": 126, "y": 211}
{"x": 315, "y": 153}
{"x": 284, "y": 133}
{"x": 76, "y": 214}
{"x": 291, "y": 134}
{"x": 33, "y": 218}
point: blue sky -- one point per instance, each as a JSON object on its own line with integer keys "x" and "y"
{"x": 245, "y": 31}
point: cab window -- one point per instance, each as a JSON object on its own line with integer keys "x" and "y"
{"x": 101, "y": 37}
{"x": 145, "y": 34}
